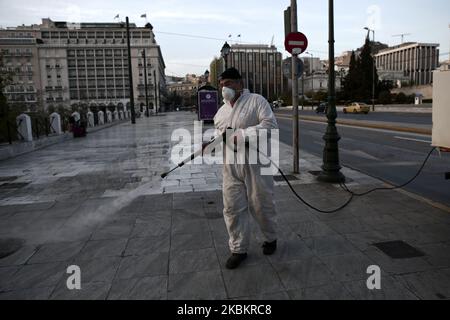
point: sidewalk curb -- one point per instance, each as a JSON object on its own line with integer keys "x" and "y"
{"x": 364, "y": 124}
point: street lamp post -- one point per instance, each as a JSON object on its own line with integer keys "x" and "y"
{"x": 156, "y": 92}
{"x": 331, "y": 168}
{"x": 225, "y": 52}
{"x": 373, "y": 69}
{"x": 145, "y": 83}
{"x": 130, "y": 75}
{"x": 206, "y": 77}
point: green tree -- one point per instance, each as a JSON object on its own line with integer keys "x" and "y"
{"x": 320, "y": 96}
{"x": 361, "y": 76}
{"x": 351, "y": 80}
{"x": 367, "y": 74}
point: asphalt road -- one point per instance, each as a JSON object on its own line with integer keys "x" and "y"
{"x": 402, "y": 117}
{"x": 394, "y": 157}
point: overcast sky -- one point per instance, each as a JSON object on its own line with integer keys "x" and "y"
{"x": 257, "y": 21}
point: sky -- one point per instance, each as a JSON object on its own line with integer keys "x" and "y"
{"x": 257, "y": 21}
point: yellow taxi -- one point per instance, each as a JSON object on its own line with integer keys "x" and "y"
{"x": 357, "y": 107}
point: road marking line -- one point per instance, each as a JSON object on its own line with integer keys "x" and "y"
{"x": 411, "y": 139}
{"x": 354, "y": 126}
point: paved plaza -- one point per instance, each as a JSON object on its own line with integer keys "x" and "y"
{"x": 99, "y": 203}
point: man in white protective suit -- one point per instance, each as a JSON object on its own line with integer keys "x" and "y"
{"x": 245, "y": 190}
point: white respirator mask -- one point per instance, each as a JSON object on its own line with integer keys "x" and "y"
{"x": 228, "y": 94}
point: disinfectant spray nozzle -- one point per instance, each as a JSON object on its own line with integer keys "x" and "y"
{"x": 195, "y": 154}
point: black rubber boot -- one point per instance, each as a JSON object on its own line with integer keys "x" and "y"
{"x": 269, "y": 248}
{"x": 235, "y": 260}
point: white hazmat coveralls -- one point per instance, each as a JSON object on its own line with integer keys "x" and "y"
{"x": 244, "y": 188}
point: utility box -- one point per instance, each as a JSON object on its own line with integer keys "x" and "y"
{"x": 441, "y": 109}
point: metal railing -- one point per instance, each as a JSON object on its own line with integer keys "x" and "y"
{"x": 9, "y": 131}
{"x": 40, "y": 127}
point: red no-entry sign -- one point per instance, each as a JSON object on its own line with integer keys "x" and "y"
{"x": 296, "y": 43}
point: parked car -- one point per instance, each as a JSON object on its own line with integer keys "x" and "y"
{"x": 356, "y": 107}
{"x": 277, "y": 104}
{"x": 322, "y": 108}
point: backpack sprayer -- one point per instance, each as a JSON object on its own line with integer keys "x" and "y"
{"x": 215, "y": 141}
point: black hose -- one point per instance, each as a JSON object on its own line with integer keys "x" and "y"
{"x": 345, "y": 188}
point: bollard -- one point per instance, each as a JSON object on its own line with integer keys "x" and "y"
{"x": 108, "y": 116}
{"x": 55, "y": 123}
{"x": 90, "y": 119}
{"x": 101, "y": 118}
{"x": 24, "y": 128}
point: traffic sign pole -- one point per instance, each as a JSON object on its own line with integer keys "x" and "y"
{"x": 295, "y": 130}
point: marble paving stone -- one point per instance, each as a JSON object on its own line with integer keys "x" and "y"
{"x": 96, "y": 270}
{"x": 193, "y": 260}
{"x": 180, "y": 225}
{"x": 102, "y": 248}
{"x": 19, "y": 257}
{"x": 390, "y": 290}
{"x": 332, "y": 291}
{"x": 251, "y": 280}
{"x": 88, "y": 291}
{"x": 142, "y": 266}
{"x": 147, "y": 288}
{"x": 28, "y": 294}
{"x": 204, "y": 285}
{"x": 365, "y": 240}
{"x": 397, "y": 266}
{"x": 428, "y": 285}
{"x": 272, "y": 296}
{"x": 55, "y": 252}
{"x": 157, "y": 227}
{"x": 303, "y": 273}
{"x": 329, "y": 245}
{"x": 290, "y": 249}
{"x": 114, "y": 230}
{"x": 148, "y": 245}
{"x": 307, "y": 229}
{"x": 36, "y": 275}
{"x": 6, "y": 274}
{"x": 346, "y": 267}
{"x": 437, "y": 254}
{"x": 191, "y": 241}
{"x": 346, "y": 226}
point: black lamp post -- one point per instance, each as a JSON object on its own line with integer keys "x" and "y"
{"x": 331, "y": 168}
{"x": 373, "y": 69}
{"x": 130, "y": 74}
{"x": 206, "y": 77}
{"x": 225, "y": 52}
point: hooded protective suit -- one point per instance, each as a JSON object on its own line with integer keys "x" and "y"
{"x": 244, "y": 188}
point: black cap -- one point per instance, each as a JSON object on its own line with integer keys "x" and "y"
{"x": 230, "y": 73}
